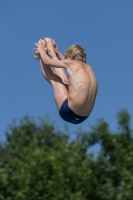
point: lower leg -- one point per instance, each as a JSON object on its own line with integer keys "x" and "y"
{"x": 59, "y": 71}
{"x": 46, "y": 71}
{"x": 60, "y": 90}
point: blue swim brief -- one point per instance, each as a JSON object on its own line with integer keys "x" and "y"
{"x": 68, "y": 115}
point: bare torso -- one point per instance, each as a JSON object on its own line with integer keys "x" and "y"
{"x": 83, "y": 88}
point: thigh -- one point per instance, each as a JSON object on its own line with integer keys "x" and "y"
{"x": 60, "y": 91}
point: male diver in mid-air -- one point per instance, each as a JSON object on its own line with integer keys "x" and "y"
{"x": 74, "y": 95}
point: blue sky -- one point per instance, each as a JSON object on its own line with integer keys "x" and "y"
{"x": 104, "y": 28}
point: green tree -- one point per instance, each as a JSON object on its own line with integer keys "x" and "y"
{"x": 38, "y": 162}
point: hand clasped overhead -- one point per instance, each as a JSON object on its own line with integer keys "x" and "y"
{"x": 74, "y": 95}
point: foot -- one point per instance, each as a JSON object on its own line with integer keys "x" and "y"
{"x": 37, "y": 55}
{"x": 50, "y": 47}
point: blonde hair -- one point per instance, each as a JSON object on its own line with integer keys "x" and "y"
{"x": 76, "y": 52}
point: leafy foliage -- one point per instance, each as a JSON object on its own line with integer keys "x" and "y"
{"x": 40, "y": 162}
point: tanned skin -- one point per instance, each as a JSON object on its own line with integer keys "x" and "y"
{"x": 82, "y": 84}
